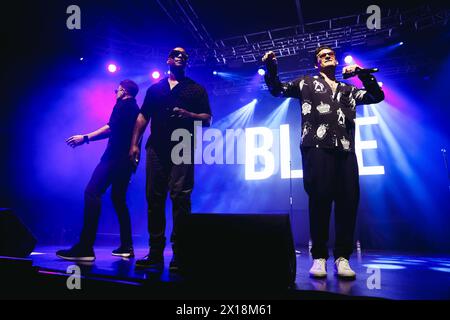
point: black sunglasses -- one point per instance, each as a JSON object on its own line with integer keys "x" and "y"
{"x": 175, "y": 53}
{"x": 323, "y": 55}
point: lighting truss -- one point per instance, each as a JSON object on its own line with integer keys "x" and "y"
{"x": 343, "y": 32}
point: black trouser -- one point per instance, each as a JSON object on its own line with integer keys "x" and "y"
{"x": 331, "y": 176}
{"x": 114, "y": 173}
{"x": 163, "y": 176}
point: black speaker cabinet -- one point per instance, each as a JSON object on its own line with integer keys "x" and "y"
{"x": 237, "y": 250}
{"x": 15, "y": 239}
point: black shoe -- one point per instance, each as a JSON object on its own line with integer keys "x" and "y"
{"x": 125, "y": 252}
{"x": 77, "y": 253}
{"x": 173, "y": 266}
{"x": 151, "y": 261}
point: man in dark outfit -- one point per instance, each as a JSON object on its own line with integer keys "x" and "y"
{"x": 115, "y": 170}
{"x": 328, "y": 151}
{"x": 175, "y": 102}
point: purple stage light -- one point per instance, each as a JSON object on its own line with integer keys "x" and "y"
{"x": 112, "y": 68}
{"x": 156, "y": 75}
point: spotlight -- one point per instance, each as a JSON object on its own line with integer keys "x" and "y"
{"x": 400, "y": 43}
{"x": 380, "y": 83}
{"x": 261, "y": 71}
{"x": 112, "y": 68}
{"x": 215, "y": 72}
{"x": 255, "y": 100}
{"x": 348, "y": 59}
{"x": 156, "y": 75}
{"x": 81, "y": 59}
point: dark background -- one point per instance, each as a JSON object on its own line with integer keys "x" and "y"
{"x": 48, "y": 94}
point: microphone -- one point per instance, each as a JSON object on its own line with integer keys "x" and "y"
{"x": 359, "y": 71}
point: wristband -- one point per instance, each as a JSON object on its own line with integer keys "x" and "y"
{"x": 86, "y": 139}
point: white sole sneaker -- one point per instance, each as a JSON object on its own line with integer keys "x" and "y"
{"x": 85, "y": 259}
{"x": 318, "y": 269}
{"x": 345, "y": 271}
{"x": 318, "y": 275}
{"x": 344, "y": 276}
{"x": 123, "y": 255}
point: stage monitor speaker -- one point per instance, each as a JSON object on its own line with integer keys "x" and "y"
{"x": 237, "y": 250}
{"x": 15, "y": 239}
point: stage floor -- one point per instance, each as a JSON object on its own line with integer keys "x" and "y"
{"x": 398, "y": 275}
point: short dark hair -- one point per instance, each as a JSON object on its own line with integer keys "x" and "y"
{"x": 130, "y": 86}
{"x": 318, "y": 49}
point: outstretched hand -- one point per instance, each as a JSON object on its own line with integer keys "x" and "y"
{"x": 75, "y": 141}
{"x": 269, "y": 57}
{"x": 350, "y": 69}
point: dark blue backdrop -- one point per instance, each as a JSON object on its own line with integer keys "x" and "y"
{"x": 406, "y": 208}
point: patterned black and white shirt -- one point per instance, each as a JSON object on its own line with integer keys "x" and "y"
{"x": 328, "y": 119}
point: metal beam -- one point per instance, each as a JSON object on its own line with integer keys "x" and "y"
{"x": 298, "y": 5}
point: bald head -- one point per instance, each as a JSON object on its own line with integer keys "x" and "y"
{"x": 179, "y": 49}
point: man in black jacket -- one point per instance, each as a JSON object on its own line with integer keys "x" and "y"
{"x": 328, "y": 151}
{"x": 115, "y": 170}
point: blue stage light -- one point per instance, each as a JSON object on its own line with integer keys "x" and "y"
{"x": 348, "y": 59}
{"x": 441, "y": 269}
{"x": 215, "y": 72}
{"x": 384, "y": 266}
{"x": 261, "y": 71}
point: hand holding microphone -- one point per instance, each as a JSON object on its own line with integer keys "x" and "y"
{"x": 353, "y": 70}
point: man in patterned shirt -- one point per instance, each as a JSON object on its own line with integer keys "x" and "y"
{"x": 328, "y": 151}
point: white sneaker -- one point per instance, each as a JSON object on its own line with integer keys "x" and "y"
{"x": 342, "y": 268}
{"x": 319, "y": 268}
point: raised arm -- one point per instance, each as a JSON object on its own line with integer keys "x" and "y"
{"x": 276, "y": 87}
{"x": 371, "y": 93}
{"x": 79, "y": 139}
